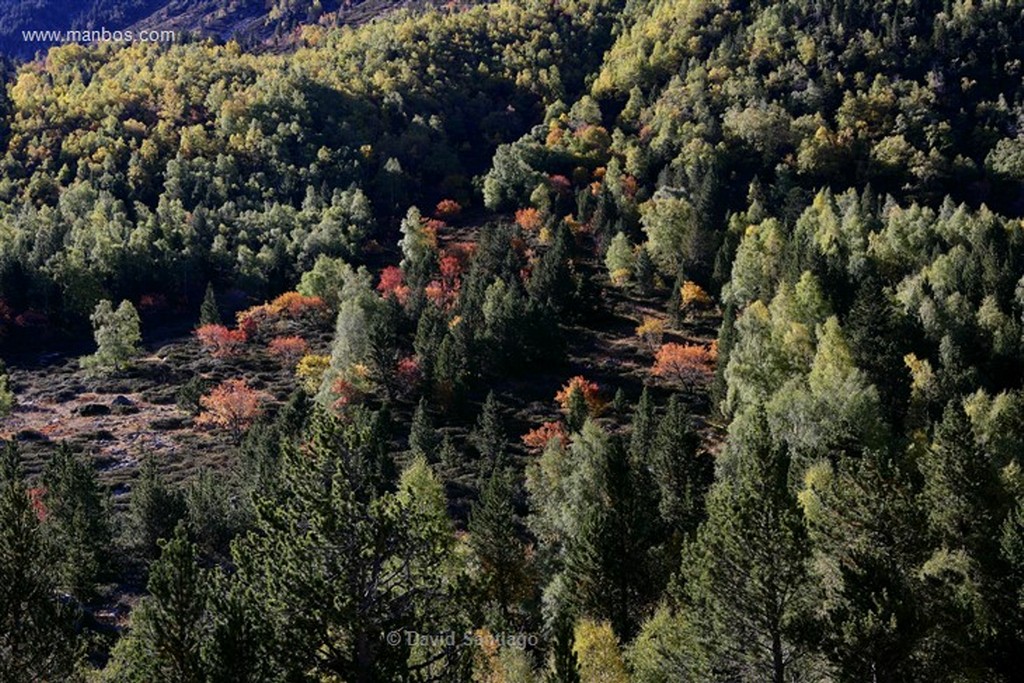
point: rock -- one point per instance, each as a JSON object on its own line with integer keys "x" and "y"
{"x": 93, "y": 410}
{"x": 167, "y": 423}
{"x": 30, "y": 435}
{"x": 122, "y": 401}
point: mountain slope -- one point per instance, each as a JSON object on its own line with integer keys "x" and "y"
{"x": 252, "y": 20}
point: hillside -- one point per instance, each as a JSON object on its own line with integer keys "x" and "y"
{"x": 618, "y": 341}
{"x": 251, "y": 21}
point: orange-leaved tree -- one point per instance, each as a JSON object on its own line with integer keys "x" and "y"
{"x": 529, "y": 219}
{"x": 288, "y": 349}
{"x": 232, "y": 405}
{"x": 220, "y": 341}
{"x": 692, "y": 365}
{"x": 579, "y": 399}
{"x": 539, "y": 438}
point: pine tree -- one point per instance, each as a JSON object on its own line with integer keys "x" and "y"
{"x": 209, "y": 312}
{"x": 7, "y": 397}
{"x": 496, "y": 540}
{"x": 868, "y": 534}
{"x": 745, "y": 576}
{"x": 77, "y": 522}
{"x": 169, "y": 625}
{"x": 644, "y": 272}
{"x": 682, "y": 474}
{"x": 37, "y": 641}
{"x": 565, "y": 666}
{"x": 489, "y": 436}
{"x": 577, "y": 411}
{"x": 153, "y": 511}
{"x": 641, "y": 438}
{"x": 117, "y": 337}
{"x": 423, "y": 436}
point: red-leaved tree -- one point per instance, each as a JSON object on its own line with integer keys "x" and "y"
{"x": 232, "y": 405}
{"x": 220, "y": 341}
{"x": 288, "y": 349}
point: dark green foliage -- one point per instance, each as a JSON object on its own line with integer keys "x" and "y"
{"x": 168, "y": 627}
{"x": 77, "y": 522}
{"x": 681, "y": 472}
{"x": 37, "y": 640}
{"x": 423, "y": 436}
{"x": 565, "y": 667}
{"x": 489, "y": 437}
{"x": 496, "y": 539}
{"x": 745, "y": 579}
{"x": 153, "y": 511}
{"x": 209, "y": 312}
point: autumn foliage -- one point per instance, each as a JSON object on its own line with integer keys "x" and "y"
{"x": 448, "y": 209}
{"x": 529, "y": 219}
{"x": 220, "y": 341}
{"x": 288, "y": 349}
{"x": 232, "y": 405}
{"x": 651, "y": 331}
{"x": 288, "y": 306}
{"x": 590, "y": 391}
{"x": 392, "y": 283}
{"x": 444, "y": 292}
{"x": 692, "y": 297}
{"x": 540, "y": 437}
{"x": 689, "y": 364}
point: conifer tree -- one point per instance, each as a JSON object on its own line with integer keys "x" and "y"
{"x": 209, "y": 312}
{"x": 169, "y": 625}
{"x": 423, "y": 437}
{"x": 489, "y": 436}
{"x": 680, "y": 472}
{"x": 153, "y": 511}
{"x": 37, "y": 640}
{"x": 745, "y": 578}
{"x": 496, "y": 540}
{"x": 77, "y": 522}
{"x": 117, "y": 337}
{"x": 565, "y": 666}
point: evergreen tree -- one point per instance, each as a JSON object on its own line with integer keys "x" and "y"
{"x": 577, "y": 411}
{"x": 868, "y": 536}
{"x": 489, "y": 436}
{"x": 37, "y": 641}
{"x": 744, "y": 578}
{"x": 641, "y": 439}
{"x": 169, "y": 625}
{"x": 209, "y": 312}
{"x": 644, "y": 272}
{"x": 117, "y": 337}
{"x": 565, "y": 666}
{"x": 423, "y": 437}
{"x": 496, "y": 540}
{"x": 77, "y": 522}
{"x": 681, "y": 473}
{"x": 153, "y": 511}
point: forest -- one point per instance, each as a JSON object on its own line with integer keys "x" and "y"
{"x": 528, "y": 341}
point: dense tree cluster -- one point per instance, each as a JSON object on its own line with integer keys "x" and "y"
{"x": 830, "y": 491}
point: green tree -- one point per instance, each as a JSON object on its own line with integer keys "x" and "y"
{"x": 37, "y": 640}
{"x": 680, "y": 471}
{"x": 169, "y": 625}
{"x": 154, "y": 510}
{"x": 744, "y": 577}
{"x": 77, "y": 522}
{"x": 209, "y": 312}
{"x": 496, "y": 539}
{"x": 117, "y": 337}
